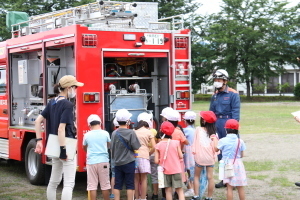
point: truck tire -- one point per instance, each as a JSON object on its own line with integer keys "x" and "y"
{"x": 35, "y": 169}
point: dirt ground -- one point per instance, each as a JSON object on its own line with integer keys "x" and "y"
{"x": 275, "y": 159}
{"x": 277, "y": 183}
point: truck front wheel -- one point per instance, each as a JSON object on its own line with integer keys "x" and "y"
{"x": 35, "y": 169}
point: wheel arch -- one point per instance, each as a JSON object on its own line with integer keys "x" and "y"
{"x": 27, "y": 137}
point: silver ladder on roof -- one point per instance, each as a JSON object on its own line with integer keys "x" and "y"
{"x": 103, "y": 11}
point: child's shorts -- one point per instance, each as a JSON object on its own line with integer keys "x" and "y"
{"x": 173, "y": 180}
{"x": 197, "y": 165}
{"x": 143, "y": 165}
{"x": 98, "y": 173}
{"x": 154, "y": 175}
{"x": 125, "y": 173}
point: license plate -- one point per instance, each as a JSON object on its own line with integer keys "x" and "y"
{"x": 154, "y": 39}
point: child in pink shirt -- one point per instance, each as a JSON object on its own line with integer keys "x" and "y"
{"x": 203, "y": 149}
{"x": 171, "y": 165}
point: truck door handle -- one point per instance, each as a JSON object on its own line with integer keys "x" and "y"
{"x": 24, "y": 48}
{"x": 4, "y": 111}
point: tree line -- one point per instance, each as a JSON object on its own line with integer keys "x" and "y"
{"x": 251, "y": 39}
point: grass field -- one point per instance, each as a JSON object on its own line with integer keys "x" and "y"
{"x": 263, "y": 117}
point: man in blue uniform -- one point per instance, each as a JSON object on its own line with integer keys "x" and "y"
{"x": 225, "y": 103}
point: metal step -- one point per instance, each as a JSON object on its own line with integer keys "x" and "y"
{"x": 4, "y": 148}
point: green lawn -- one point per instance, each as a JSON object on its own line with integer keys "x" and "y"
{"x": 263, "y": 117}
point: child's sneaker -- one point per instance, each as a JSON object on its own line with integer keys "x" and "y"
{"x": 208, "y": 198}
{"x": 154, "y": 197}
{"x": 111, "y": 196}
{"x": 195, "y": 198}
{"x": 189, "y": 193}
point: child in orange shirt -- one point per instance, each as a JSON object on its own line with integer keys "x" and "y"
{"x": 203, "y": 149}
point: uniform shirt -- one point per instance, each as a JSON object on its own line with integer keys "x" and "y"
{"x": 189, "y": 133}
{"x": 144, "y": 135}
{"x": 57, "y": 112}
{"x": 226, "y": 103}
{"x": 228, "y": 146}
{"x": 172, "y": 163}
{"x": 120, "y": 153}
{"x": 96, "y": 142}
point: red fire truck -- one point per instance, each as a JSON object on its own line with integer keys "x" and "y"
{"x": 125, "y": 56}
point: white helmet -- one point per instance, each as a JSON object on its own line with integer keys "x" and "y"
{"x": 221, "y": 73}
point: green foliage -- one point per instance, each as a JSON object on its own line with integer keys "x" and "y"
{"x": 282, "y": 87}
{"x": 259, "y": 88}
{"x": 297, "y": 90}
{"x": 200, "y": 76}
{"x": 252, "y": 38}
{"x": 33, "y": 7}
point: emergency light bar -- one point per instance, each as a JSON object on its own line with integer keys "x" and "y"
{"x": 91, "y": 97}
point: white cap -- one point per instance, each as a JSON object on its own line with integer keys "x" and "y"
{"x": 123, "y": 115}
{"x": 146, "y": 117}
{"x": 189, "y": 115}
{"x": 165, "y": 111}
{"x": 115, "y": 122}
{"x": 173, "y": 115}
{"x": 92, "y": 118}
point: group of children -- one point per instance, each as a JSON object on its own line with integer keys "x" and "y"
{"x": 181, "y": 154}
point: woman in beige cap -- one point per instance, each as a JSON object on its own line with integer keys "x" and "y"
{"x": 59, "y": 116}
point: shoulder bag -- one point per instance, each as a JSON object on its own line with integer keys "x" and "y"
{"x": 229, "y": 169}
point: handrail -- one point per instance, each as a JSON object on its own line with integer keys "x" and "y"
{"x": 173, "y": 20}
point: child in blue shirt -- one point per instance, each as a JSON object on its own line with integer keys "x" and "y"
{"x": 232, "y": 151}
{"x": 189, "y": 161}
{"x": 96, "y": 143}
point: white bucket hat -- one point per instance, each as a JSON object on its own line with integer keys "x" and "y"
{"x": 116, "y": 122}
{"x": 146, "y": 117}
{"x": 173, "y": 115}
{"x": 165, "y": 111}
{"x": 123, "y": 115}
{"x": 189, "y": 115}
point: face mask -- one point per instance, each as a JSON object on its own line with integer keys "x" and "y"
{"x": 71, "y": 93}
{"x": 218, "y": 85}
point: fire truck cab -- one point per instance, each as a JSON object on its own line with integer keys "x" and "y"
{"x": 125, "y": 56}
